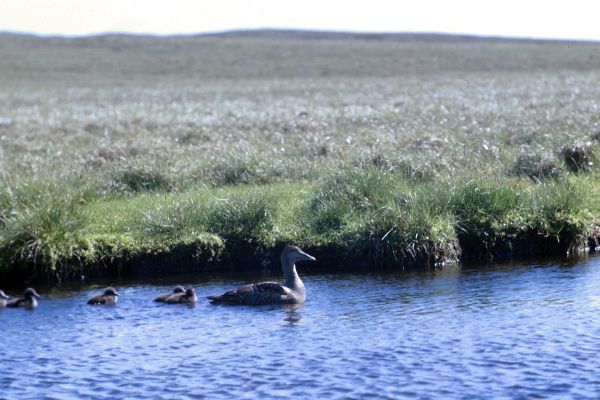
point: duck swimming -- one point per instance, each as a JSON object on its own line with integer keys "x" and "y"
{"x": 3, "y": 298}
{"x": 187, "y": 297}
{"x": 292, "y": 291}
{"x": 109, "y": 297}
{"x": 29, "y": 299}
{"x": 162, "y": 298}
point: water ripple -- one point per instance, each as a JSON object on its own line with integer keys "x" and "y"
{"x": 528, "y": 331}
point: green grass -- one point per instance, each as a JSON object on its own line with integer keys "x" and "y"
{"x": 392, "y": 148}
{"x": 372, "y": 213}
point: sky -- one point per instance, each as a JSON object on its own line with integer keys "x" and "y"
{"x": 567, "y": 19}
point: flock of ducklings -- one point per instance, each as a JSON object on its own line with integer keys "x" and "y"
{"x": 110, "y": 296}
{"x": 292, "y": 292}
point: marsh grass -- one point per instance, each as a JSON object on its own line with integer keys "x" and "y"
{"x": 376, "y": 214}
{"x": 394, "y": 148}
{"x": 536, "y": 166}
{"x": 140, "y": 180}
{"x": 243, "y": 218}
{"x": 579, "y": 156}
{"x": 42, "y": 233}
{"x": 417, "y": 225}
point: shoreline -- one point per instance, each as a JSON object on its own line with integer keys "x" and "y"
{"x": 184, "y": 260}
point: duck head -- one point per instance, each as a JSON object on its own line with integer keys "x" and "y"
{"x": 30, "y": 293}
{"x": 110, "y": 291}
{"x": 190, "y": 292}
{"x": 178, "y": 289}
{"x": 293, "y": 254}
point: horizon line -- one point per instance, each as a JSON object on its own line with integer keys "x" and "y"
{"x": 292, "y": 30}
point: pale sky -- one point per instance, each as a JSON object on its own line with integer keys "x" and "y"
{"x": 570, "y": 19}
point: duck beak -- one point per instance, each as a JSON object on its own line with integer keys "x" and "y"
{"x": 37, "y": 296}
{"x": 307, "y": 257}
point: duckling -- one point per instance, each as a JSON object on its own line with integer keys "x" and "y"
{"x": 162, "y": 298}
{"x": 109, "y": 297}
{"x": 188, "y": 297}
{"x": 292, "y": 291}
{"x": 3, "y": 298}
{"x": 29, "y": 299}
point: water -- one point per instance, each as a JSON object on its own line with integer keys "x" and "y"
{"x": 507, "y": 331}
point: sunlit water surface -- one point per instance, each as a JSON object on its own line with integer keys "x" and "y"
{"x": 504, "y": 331}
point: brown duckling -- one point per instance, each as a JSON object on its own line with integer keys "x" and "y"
{"x": 109, "y": 297}
{"x": 188, "y": 297}
{"x": 3, "y": 298}
{"x": 162, "y": 298}
{"x": 29, "y": 299}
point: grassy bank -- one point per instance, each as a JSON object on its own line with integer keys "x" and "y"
{"x": 399, "y": 150}
{"x": 373, "y": 215}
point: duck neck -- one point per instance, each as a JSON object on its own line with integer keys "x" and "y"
{"x": 292, "y": 280}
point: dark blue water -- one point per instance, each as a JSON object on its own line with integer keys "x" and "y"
{"x": 505, "y": 331}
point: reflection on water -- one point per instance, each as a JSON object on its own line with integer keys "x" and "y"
{"x": 512, "y": 331}
{"x": 293, "y": 313}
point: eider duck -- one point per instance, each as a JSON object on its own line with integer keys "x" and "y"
{"x": 292, "y": 291}
{"x": 29, "y": 299}
{"x": 109, "y": 297}
{"x": 3, "y": 298}
{"x": 187, "y": 297}
{"x": 163, "y": 297}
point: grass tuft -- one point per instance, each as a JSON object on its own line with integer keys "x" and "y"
{"x": 139, "y": 180}
{"x": 579, "y": 157}
{"x": 42, "y": 235}
{"x": 536, "y": 166}
{"x": 242, "y": 218}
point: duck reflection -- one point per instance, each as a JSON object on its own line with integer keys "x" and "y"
{"x": 292, "y": 311}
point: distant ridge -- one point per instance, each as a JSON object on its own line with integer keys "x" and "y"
{"x": 391, "y": 36}
{"x": 116, "y": 59}
{"x": 297, "y": 34}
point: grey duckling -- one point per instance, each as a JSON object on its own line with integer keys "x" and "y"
{"x": 292, "y": 291}
{"x": 29, "y": 299}
{"x": 162, "y": 298}
{"x": 3, "y": 298}
{"x": 109, "y": 297}
{"x": 187, "y": 297}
